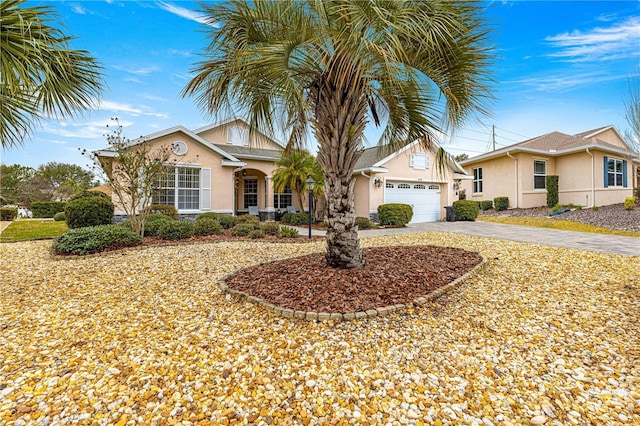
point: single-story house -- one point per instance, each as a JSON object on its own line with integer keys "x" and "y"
{"x": 217, "y": 168}
{"x": 594, "y": 168}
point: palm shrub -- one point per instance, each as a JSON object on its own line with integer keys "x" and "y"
{"x": 332, "y": 67}
{"x": 207, "y": 226}
{"x": 176, "y": 230}
{"x": 90, "y": 211}
{"x": 466, "y": 209}
{"x": 551, "y": 182}
{"x": 288, "y": 232}
{"x": 394, "y": 214}
{"x": 500, "y": 203}
{"x": 94, "y": 239}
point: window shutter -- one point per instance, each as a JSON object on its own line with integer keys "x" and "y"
{"x": 624, "y": 173}
{"x": 412, "y": 160}
{"x": 205, "y": 189}
{"x": 606, "y": 177}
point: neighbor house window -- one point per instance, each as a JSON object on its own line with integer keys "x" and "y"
{"x": 179, "y": 187}
{"x": 539, "y": 174}
{"x": 250, "y": 192}
{"x": 282, "y": 200}
{"x": 477, "y": 180}
{"x": 615, "y": 172}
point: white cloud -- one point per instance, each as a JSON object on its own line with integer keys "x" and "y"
{"x": 618, "y": 41}
{"x": 126, "y": 108}
{"x": 564, "y": 82}
{"x": 184, "y": 13}
{"x": 137, "y": 71}
{"x": 79, "y": 9}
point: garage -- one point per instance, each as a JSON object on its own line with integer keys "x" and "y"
{"x": 423, "y": 197}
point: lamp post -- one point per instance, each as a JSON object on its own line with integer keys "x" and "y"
{"x": 310, "y": 185}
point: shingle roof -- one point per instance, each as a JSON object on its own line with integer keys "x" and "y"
{"x": 248, "y": 152}
{"x": 370, "y": 156}
{"x": 560, "y": 141}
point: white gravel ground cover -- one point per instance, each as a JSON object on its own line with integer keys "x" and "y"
{"x": 541, "y": 336}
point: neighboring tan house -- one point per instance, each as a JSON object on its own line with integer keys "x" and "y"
{"x": 218, "y": 169}
{"x": 595, "y": 168}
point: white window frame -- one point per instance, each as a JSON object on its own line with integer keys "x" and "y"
{"x": 543, "y": 175}
{"x": 616, "y": 174}
{"x": 253, "y": 179}
{"x": 477, "y": 180}
{"x": 279, "y": 196}
{"x": 237, "y": 136}
{"x": 179, "y": 192}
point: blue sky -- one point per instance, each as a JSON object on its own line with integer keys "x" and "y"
{"x": 560, "y": 66}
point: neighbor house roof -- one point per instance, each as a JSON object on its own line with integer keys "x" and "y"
{"x": 557, "y": 143}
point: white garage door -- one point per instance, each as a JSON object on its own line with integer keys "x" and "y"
{"x": 423, "y": 197}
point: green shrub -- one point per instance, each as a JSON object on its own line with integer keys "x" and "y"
{"x": 164, "y": 209}
{"x": 630, "y": 203}
{"x": 176, "y": 230}
{"x": 91, "y": 211}
{"x": 89, "y": 194}
{"x": 126, "y": 224}
{"x": 227, "y": 221}
{"x": 93, "y": 239}
{"x": 8, "y": 213}
{"x": 287, "y": 232}
{"x": 485, "y": 205}
{"x": 242, "y": 229}
{"x": 270, "y": 228}
{"x": 295, "y": 219}
{"x": 256, "y": 233}
{"x": 394, "y": 214}
{"x": 465, "y": 209}
{"x": 248, "y": 218}
{"x": 209, "y": 215}
{"x": 40, "y": 209}
{"x": 154, "y": 223}
{"x": 207, "y": 226}
{"x": 501, "y": 203}
{"x": 556, "y": 208}
{"x": 60, "y": 217}
{"x": 595, "y": 208}
{"x": 551, "y": 182}
{"x": 364, "y": 223}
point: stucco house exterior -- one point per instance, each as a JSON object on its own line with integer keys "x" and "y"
{"x": 217, "y": 168}
{"x": 595, "y": 168}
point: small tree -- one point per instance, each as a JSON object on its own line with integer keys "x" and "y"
{"x": 133, "y": 170}
{"x": 552, "y": 190}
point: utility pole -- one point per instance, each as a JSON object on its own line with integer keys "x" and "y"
{"x": 493, "y": 136}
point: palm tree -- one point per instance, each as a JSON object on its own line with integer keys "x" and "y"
{"x": 293, "y": 169}
{"x": 330, "y": 66}
{"x": 40, "y": 76}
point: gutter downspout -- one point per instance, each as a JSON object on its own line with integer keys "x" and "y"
{"x": 516, "y": 172}
{"x": 593, "y": 186}
{"x": 368, "y": 193}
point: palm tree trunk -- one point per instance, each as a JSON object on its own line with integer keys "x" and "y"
{"x": 340, "y": 114}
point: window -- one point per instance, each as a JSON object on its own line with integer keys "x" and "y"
{"x": 539, "y": 174}
{"x": 615, "y": 172}
{"x": 389, "y": 185}
{"x": 437, "y": 187}
{"x": 404, "y": 186}
{"x": 419, "y": 161}
{"x": 250, "y": 192}
{"x": 238, "y": 136}
{"x": 179, "y": 187}
{"x": 419, "y": 186}
{"x": 283, "y": 199}
{"x": 477, "y": 180}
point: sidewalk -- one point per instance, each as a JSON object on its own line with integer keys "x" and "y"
{"x": 614, "y": 244}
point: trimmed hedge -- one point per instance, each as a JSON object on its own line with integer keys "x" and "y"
{"x": 364, "y": 223}
{"x": 93, "y": 239}
{"x": 248, "y": 218}
{"x": 89, "y": 194}
{"x": 395, "y": 214}
{"x": 295, "y": 219}
{"x": 209, "y": 215}
{"x": 8, "y": 213}
{"x": 155, "y": 221}
{"x": 551, "y": 182}
{"x": 501, "y": 203}
{"x": 41, "y": 209}
{"x": 91, "y": 211}
{"x": 270, "y": 228}
{"x": 485, "y": 205}
{"x": 164, "y": 209}
{"x": 207, "y": 226}
{"x": 176, "y": 230}
{"x": 256, "y": 234}
{"x": 227, "y": 221}
{"x": 242, "y": 229}
{"x": 466, "y": 209}
{"x": 60, "y": 217}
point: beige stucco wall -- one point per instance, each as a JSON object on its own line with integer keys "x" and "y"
{"x": 218, "y": 136}
{"x": 611, "y": 137}
{"x": 368, "y": 197}
{"x": 498, "y": 180}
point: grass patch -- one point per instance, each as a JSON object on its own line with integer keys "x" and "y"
{"x": 563, "y": 224}
{"x": 23, "y": 230}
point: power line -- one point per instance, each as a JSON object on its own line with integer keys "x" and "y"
{"x": 509, "y": 131}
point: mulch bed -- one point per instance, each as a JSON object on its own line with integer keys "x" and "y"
{"x": 392, "y": 275}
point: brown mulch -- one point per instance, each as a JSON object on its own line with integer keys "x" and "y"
{"x": 391, "y": 275}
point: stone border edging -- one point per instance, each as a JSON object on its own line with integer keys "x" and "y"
{"x": 349, "y": 316}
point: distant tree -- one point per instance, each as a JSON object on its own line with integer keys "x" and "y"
{"x": 65, "y": 179}
{"x": 632, "y": 113}
{"x": 10, "y": 179}
{"x": 133, "y": 170}
{"x": 41, "y": 75}
{"x": 461, "y": 157}
{"x": 292, "y": 169}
